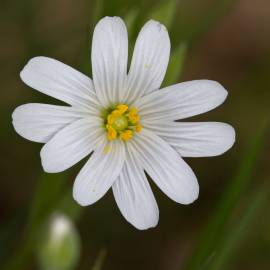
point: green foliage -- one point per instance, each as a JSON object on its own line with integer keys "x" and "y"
{"x": 130, "y": 20}
{"x": 98, "y": 9}
{"x": 164, "y": 12}
{"x": 204, "y": 16}
{"x": 226, "y": 249}
{"x": 212, "y": 235}
{"x": 48, "y": 193}
{"x": 176, "y": 65}
{"x": 59, "y": 245}
{"x": 52, "y": 194}
{"x": 236, "y": 210}
{"x": 100, "y": 260}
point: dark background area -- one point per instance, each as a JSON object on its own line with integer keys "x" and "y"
{"x": 227, "y": 41}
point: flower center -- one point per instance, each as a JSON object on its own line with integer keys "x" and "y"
{"x": 121, "y": 122}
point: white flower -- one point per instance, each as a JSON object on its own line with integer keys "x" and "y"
{"x": 125, "y": 120}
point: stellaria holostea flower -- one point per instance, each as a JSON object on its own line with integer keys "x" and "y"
{"x": 125, "y": 120}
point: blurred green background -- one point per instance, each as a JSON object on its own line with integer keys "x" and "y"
{"x": 228, "y": 227}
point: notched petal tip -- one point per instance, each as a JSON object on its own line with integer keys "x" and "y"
{"x": 232, "y": 134}
{"x": 112, "y": 18}
{"x": 145, "y": 226}
{"x": 76, "y": 196}
{"x": 28, "y": 73}
{"x": 33, "y": 61}
{"x": 230, "y": 137}
{"x": 213, "y": 84}
{"x": 190, "y": 193}
{"x": 156, "y": 30}
{"x": 193, "y": 196}
{"x": 213, "y": 90}
{"x": 19, "y": 116}
{"x": 108, "y": 20}
{"x": 14, "y": 122}
{"x": 219, "y": 88}
{"x": 148, "y": 222}
{"x": 16, "y": 113}
{"x": 46, "y": 165}
{"x": 15, "y": 118}
{"x": 156, "y": 25}
{"x": 23, "y": 73}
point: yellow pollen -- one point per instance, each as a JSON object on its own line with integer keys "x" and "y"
{"x": 116, "y": 113}
{"x": 111, "y": 118}
{"x": 111, "y": 134}
{"x": 122, "y": 122}
{"x": 133, "y": 110}
{"x": 126, "y": 135}
{"x": 138, "y": 128}
{"x": 122, "y": 108}
{"x": 133, "y": 116}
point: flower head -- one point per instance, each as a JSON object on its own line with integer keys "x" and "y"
{"x": 125, "y": 120}
{"x": 122, "y": 122}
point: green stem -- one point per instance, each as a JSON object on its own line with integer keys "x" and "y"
{"x": 100, "y": 260}
{"x": 212, "y": 233}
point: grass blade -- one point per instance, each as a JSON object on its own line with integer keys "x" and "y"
{"x": 235, "y": 233}
{"x": 52, "y": 194}
{"x": 164, "y": 12}
{"x": 213, "y": 230}
{"x": 176, "y": 65}
{"x": 100, "y": 260}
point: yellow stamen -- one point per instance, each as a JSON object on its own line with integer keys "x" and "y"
{"x": 126, "y": 135}
{"x": 133, "y": 110}
{"x": 133, "y": 116}
{"x": 122, "y": 108}
{"x": 138, "y": 128}
{"x": 134, "y": 119}
{"x": 122, "y": 122}
{"x": 110, "y": 119}
{"x": 116, "y": 113}
{"x": 111, "y": 134}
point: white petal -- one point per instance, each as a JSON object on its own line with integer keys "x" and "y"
{"x": 167, "y": 169}
{"x": 134, "y": 196}
{"x": 109, "y": 59}
{"x": 60, "y": 81}
{"x": 99, "y": 173}
{"x": 71, "y": 144}
{"x": 150, "y": 60}
{"x": 196, "y": 139}
{"x": 39, "y": 122}
{"x": 182, "y": 100}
